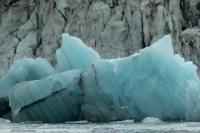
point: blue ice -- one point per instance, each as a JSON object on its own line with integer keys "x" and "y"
{"x": 74, "y": 54}
{"x": 25, "y": 70}
{"x": 152, "y": 83}
{"x": 52, "y": 99}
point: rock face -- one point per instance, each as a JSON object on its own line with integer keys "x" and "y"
{"x": 115, "y": 28}
{"x": 190, "y": 45}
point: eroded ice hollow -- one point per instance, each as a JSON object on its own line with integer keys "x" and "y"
{"x": 151, "y": 83}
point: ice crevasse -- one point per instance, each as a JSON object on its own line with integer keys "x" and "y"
{"x": 152, "y": 83}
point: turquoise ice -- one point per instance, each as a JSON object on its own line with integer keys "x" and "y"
{"x": 52, "y": 99}
{"x": 25, "y": 70}
{"x": 152, "y": 83}
{"x": 74, "y": 54}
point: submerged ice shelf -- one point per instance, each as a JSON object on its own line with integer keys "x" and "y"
{"x": 152, "y": 83}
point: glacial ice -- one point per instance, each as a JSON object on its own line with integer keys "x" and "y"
{"x": 25, "y": 70}
{"x": 52, "y": 99}
{"x": 152, "y": 83}
{"x": 74, "y": 54}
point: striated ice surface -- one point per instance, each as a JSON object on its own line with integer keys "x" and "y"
{"x": 52, "y": 99}
{"x": 147, "y": 84}
{"x": 154, "y": 83}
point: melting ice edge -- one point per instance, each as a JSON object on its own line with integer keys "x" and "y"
{"x": 152, "y": 83}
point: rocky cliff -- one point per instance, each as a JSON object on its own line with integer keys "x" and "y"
{"x": 115, "y": 28}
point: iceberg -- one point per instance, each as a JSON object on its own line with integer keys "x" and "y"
{"x": 154, "y": 83}
{"x": 52, "y": 99}
{"x": 25, "y": 70}
{"x": 74, "y": 54}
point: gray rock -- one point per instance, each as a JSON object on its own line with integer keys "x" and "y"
{"x": 115, "y": 28}
{"x": 190, "y": 45}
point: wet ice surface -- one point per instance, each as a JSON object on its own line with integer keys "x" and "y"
{"x": 114, "y": 127}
